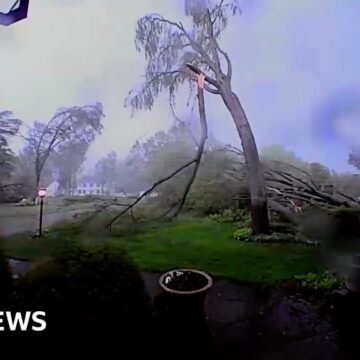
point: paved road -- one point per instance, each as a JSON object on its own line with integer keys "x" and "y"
{"x": 17, "y": 224}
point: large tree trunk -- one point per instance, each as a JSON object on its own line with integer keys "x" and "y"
{"x": 259, "y": 211}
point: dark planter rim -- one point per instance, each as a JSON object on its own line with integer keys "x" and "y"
{"x": 178, "y": 292}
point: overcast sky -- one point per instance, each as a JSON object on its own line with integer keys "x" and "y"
{"x": 296, "y": 71}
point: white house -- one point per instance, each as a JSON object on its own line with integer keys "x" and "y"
{"x": 88, "y": 186}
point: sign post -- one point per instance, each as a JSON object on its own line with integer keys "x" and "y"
{"x": 41, "y": 193}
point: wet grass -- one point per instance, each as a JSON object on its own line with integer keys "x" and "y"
{"x": 188, "y": 242}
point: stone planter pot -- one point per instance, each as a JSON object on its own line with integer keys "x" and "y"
{"x": 185, "y": 290}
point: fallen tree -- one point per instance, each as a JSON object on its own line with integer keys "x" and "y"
{"x": 291, "y": 188}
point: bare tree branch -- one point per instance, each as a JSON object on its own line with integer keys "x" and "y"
{"x": 215, "y": 47}
{"x": 228, "y": 61}
{"x": 309, "y": 191}
{"x": 293, "y": 217}
{"x": 204, "y": 135}
{"x": 148, "y": 191}
{"x": 211, "y": 90}
{"x": 217, "y": 10}
{"x": 213, "y": 42}
{"x": 196, "y": 46}
{"x": 196, "y": 161}
{"x": 209, "y": 79}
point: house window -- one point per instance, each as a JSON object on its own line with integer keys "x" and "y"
{"x": 91, "y": 184}
{"x": 91, "y": 191}
{"x": 84, "y": 191}
{"x": 98, "y": 191}
{"x": 84, "y": 185}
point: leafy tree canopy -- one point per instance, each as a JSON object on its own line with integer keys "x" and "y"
{"x": 9, "y": 127}
{"x": 168, "y": 46}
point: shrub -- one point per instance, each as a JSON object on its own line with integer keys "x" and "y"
{"x": 275, "y": 238}
{"x": 243, "y": 234}
{"x": 230, "y": 216}
{"x": 205, "y": 201}
{"x": 321, "y": 281}
{"x": 90, "y": 290}
{"x": 12, "y": 194}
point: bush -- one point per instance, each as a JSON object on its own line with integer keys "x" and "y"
{"x": 12, "y": 194}
{"x": 205, "y": 201}
{"x": 321, "y": 281}
{"x": 94, "y": 291}
{"x": 243, "y": 234}
{"x": 278, "y": 238}
{"x": 231, "y": 216}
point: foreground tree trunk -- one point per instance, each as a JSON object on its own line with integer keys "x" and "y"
{"x": 259, "y": 210}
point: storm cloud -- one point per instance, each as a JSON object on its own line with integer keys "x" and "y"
{"x": 295, "y": 68}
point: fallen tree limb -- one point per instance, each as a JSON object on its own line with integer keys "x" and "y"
{"x": 196, "y": 161}
{"x": 105, "y": 206}
{"x": 284, "y": 211}
{"x": 309, "y": 190}
{"x": 204, "y": 136}
{"x": 301, "y": 171}
{"x": 148, "y": 191}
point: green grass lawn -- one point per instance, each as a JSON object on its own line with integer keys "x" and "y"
{"x": 198, "y": 243}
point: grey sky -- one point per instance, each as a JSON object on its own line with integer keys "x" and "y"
{"x": 291, "y": 61}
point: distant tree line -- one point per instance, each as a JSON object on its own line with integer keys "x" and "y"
{"x": 57, "y": 146}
